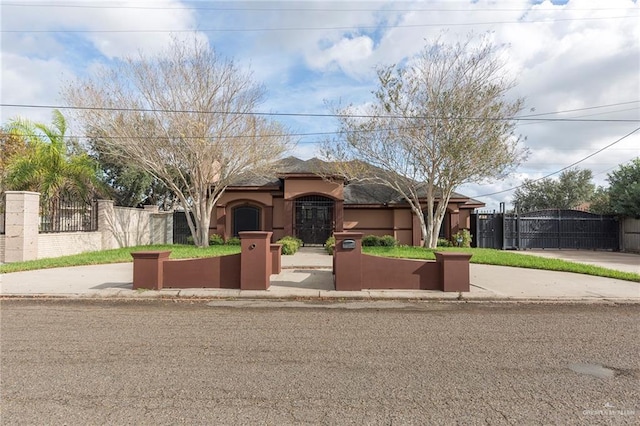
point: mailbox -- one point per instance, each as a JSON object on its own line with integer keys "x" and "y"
{"x": 348, "y": 244}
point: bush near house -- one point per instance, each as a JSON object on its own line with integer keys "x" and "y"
{"x": 290, "y": 245}
{"x": 465, "y": 238}
{"x": 214, "y": 240}
{"x": 233, "y": 241}
{"x": 375, "y": 241}
{"x": 443, "y": 242}
{"x": 330, "y": 245}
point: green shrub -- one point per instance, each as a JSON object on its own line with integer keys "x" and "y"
{"x": 330, "y": 244}
{"x": 216, "y": 240}
{"x": 233, "y": 241}
{"x": 371, "y": 241}
{"x": 290, "y": 245}
{"x": 443, "y": 242}
{"x": 465, "y": 238}
{"x": 388, "y": 241}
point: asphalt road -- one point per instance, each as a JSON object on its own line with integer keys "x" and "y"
{"x": 166, "y": 362}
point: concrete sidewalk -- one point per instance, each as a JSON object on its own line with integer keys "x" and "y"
{"x": 308, "y": 275}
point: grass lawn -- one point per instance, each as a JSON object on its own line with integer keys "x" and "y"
{"x": 503, "y": 258}
{"x": 178, "y": 251}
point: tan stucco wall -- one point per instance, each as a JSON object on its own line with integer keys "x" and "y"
{"x": 67, "y": 243}
{"x": 298, "y": 187}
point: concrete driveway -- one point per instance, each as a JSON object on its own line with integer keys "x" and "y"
{"x": 627, "y": 262}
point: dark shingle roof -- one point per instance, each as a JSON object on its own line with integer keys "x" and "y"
{"x": 294, "y": 165}
{"x": 369, "y": 193}
{"x": 354, "y": 193}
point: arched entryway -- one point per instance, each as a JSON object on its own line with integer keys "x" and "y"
{"x": 314, "y": 218}
{"x": 245, "y": 218}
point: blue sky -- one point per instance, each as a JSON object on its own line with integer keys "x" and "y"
{"x": 569, "y": 55}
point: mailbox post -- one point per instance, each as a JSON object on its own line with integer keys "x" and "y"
{"x": 348, "y": 261}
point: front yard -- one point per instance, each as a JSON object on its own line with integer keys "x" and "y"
{"x": 178, "y": 251}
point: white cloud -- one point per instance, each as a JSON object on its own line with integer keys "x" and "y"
{"x": 330, "y": 53}
{"x": 346, "y": 54}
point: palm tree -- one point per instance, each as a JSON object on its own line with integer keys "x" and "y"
{"x": 49, "y": 167}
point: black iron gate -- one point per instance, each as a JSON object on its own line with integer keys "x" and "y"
{"x": 552, "y": 229}
{"x": 181, "y": 229}
{"x": 313, "y": 219}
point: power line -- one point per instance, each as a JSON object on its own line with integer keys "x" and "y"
{"x": 367, "y": 27}
{"x": 325, "y": 115}
{"x": 562, "y": 169}
{"x": 582, "y": 109}
{"x": 300, "y": 9}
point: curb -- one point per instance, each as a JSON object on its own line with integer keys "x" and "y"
{"x": 328, "y": 296}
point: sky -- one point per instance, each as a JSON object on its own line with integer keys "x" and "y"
{"x": 576, "y": 59}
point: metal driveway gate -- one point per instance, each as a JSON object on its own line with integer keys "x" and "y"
{"x": 553, "y": 229}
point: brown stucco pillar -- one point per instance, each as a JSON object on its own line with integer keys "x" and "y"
{"x": 268, "y": 218}
{"x": 255, "y": 260}
{"x": 454, "y": 271}
{"x": 454, "y": 222}
{"x": 276, "y": 258}
{"x": 347, "y": 262}
{"x": 339, "y": 213}
{"x": 288, "y": 217}
{"x": 221, "y": 221}
{"x": 147, "y": 269}
{"x": 416, "y": 231}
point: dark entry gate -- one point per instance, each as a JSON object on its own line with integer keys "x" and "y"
{"x": 557, "y": 229}
{"x": 181, "y": 229}
{"x": 313, "y": 219}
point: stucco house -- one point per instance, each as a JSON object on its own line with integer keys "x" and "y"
{"x": 298, "y": 201}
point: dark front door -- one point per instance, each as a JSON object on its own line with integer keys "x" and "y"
{"x": 245, "y": 218}
{"x": 314, "y": 219}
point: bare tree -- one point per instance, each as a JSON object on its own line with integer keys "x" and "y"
{"x": 442, "y": 120}
{"x": 188, "y": 118}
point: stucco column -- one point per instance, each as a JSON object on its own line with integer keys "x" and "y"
{"x": 148, "y": 268}
{"x": 416, "y": 232}
{"x": 255, "y": 260}
{"x": 106, "y": 223}
{"x": 454, "y": 271}
{"x": 347, "y": 261}
{"x": 288, "y": 217}
{"x": 221, "y": 221}
{"x": 22, "y": 220}
{"x": 268, "y": 218}
{"x": 339, "y": 206}
{"x": 454, "y": 222}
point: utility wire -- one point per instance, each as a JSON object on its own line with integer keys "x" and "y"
{"x": 562, "y": 169}
{"x": 299, "y": 114}
{"x": 366, "y": 27}
{"x": 299, "y": 9}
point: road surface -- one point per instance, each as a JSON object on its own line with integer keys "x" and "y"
{"x": 166, "y": 362}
